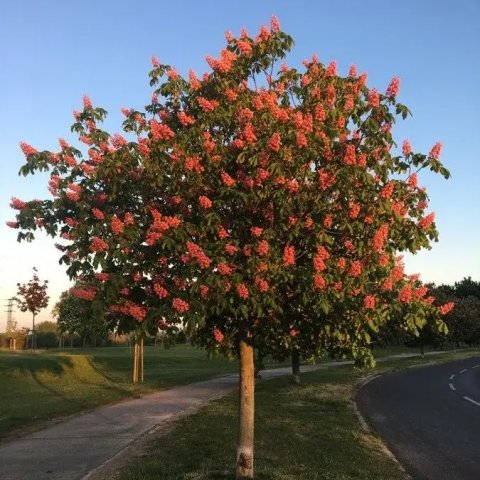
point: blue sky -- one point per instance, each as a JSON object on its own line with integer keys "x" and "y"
{"x": 53, "y": 52}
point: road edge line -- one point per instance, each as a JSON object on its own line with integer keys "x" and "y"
{"x": 366, "y": 426}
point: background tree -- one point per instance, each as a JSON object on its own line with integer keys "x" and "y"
{"x": 32, "y": 297}
{"x": 236, "y": 192}
{"x": 47, "y": 334}
{"x": 79, "y": 317}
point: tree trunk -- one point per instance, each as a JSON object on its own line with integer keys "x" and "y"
{"x": 296, "y": 366}
{"x": 33, "y": 334}
{"x": 135, "y": 363}
{"x": 422, "y": 350}
{"x": 244, "y": 467}
{"x": 141, "y": 360}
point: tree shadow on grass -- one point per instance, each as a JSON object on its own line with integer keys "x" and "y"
{"x": 36, "y": 363}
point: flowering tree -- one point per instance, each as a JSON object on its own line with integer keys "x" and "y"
{"x": 32, "y": 297}
{"x": 240, "y": 198}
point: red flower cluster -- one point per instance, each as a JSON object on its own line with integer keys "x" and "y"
{"x": 406, "y": 148}
{"x": 204, "y": 291}
{"x": 354, "y": 210}
{"x": 117, "y": 225}
{"x": 444, "y": 309}
{"x": 224, "y": 269}
{"x": 289, "y": 256}
{"x": 387, "y": 190}
{"x": 193, "y": 164}
{"x": 369, "y": 302}
{"x": 204, "y": 202}
{"x": 263, "y": 248}
{"x": 405, "y": 294}
{"x": 102, "y": 276}
{"x": 262, "y": 284}
{"x": 355, "y": 268}
{"x": 85, "y": 293}
{"x": 275, "y": 142}
{"x": 242, "y": 290}
{"x": 160, "y": 131}
{"x": 218, "y": 335}
{"x": 159, "y": 225}
{"x": 393, "y": 87}
{"x": 98, "y": 245}
{"x": 131, "y": 309}
{"x": 326, "y": 179}
{"x": 231, "y": 249}
{"x": 412, "y": 180}
{"x": 373, "y": 98}
{"x": 207, "y": 105}
{"x": 195, "y": 251}
{"x": 161, "y": 291}
{"x": 180, "y": 305}
{"x": 380, "y": 238}
{"x": 319, "y": 282}
{"x": 185, "y": 119}
{"x": 425, "y": 222}
{"x": 27, "y": 149}
{"x": 73, "y": 192}
{"x": 435, "y": 151}
{"x": 98, "y": 214}
{"x": 17, "y": 204}
{"x": 227, "y": 179}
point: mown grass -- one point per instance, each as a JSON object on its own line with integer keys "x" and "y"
{"x": 309, "y": 432}
{"x": 36, "y": 387}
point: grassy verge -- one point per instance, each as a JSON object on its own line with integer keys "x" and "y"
{"x": 309, "y": 433}
{"x": 41, "y": 386}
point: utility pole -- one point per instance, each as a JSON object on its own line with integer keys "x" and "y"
{"x": 11, "y": 323}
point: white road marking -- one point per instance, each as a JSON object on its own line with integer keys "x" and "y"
{"x": 463, "y": 371}
{"x": 473, "y": 401}
{"x": 452, "y": 387}
{"x": 476, "y": 366}
{"x": 452, "y": 376}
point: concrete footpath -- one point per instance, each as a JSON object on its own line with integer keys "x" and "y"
{"x": 77, "y": 447}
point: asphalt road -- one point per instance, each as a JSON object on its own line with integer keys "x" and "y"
{"x": 430, "y": 418}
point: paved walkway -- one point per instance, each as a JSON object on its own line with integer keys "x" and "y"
{"x": 74, "y": 448}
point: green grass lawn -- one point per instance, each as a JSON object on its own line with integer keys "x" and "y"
{"x": 309, "y": 432}
{"x": 36, "y": 387}
{"x": 45, "y": 385}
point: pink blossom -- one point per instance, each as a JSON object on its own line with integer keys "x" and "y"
{"x": 289, "y": 255}
{"x": 28, "y": 149}
{"x": 204, "y": 202}
{"x": 218, "y": 335}
{"x": 274, "y": 23}
{"x": 17, "y": 204}
{"x": 444, "y": 309}
{"x": 435, "y": 151}
{"x": 87, "y": 103}
{"x": 393, "y": 87}
{"x": 180, "y": 305}
{"x": 369, "y": 302}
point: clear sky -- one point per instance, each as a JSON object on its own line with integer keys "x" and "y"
{"x": 53, "y": 52}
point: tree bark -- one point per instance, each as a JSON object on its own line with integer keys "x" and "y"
{"x": 296, "y": 366}
{"x": 135, "y": 363}
{"x": 244, "y": 466}
{"x": 33, "y": 333}
{"x": 141, "y": 361}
